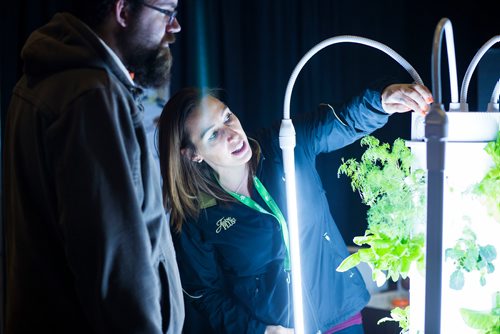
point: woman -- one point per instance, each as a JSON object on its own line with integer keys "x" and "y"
{"x": 226, "y": 196}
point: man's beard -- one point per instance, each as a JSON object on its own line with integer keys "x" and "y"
{"x": 151, "y": 66}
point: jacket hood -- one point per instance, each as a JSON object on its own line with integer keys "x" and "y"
{"x": 62, "y": 44}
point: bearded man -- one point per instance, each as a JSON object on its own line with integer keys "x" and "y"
{"x": 88, "y": 247}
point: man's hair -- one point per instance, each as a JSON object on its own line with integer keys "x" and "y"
{"x": 94, "y": 12}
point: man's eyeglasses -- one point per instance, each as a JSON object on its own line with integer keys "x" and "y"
{"x": 171, "y": 14}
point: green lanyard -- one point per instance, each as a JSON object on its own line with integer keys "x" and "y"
{"x": 276, "y": 212}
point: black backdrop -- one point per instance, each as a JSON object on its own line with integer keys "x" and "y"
{"x": 249, "y": 49}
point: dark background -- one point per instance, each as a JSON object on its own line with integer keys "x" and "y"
{"x": 250, "y": 48}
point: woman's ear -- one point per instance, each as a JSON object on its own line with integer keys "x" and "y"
{"x": 197, "y": 158}
{"x": 189, "y": 154}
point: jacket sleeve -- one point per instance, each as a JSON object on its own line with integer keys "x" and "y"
{"x": 204, "y": 284}
{"x": 107, "y": 224}
{"x": 330, "y": 129}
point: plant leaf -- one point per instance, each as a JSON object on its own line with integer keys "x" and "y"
{"x": 478, "y": 320}
{"x": 349, "y": 262}
{"x": 457, "y": 280}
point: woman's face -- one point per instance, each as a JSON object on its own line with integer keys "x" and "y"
{"x": 218, "y": 136}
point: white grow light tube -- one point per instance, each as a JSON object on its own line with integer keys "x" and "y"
{"x": 436, "y": 132}
{"x": 287, "y": 144}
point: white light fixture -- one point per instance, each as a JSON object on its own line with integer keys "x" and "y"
{"x": 456, "y": 160}
{"x": 287, "y": 144}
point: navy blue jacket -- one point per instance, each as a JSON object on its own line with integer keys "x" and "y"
{"x": 231, "y": 259}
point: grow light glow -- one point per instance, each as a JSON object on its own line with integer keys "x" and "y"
{"x": 287, "y": 144}
{"x": 467, "y": 163}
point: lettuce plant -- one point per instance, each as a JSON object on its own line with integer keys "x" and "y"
{"x": 467, "y": 256}
{"x": 395, "y": 195}
{"x": 401, "y": 316}
{"x": 489, "y": 187}
{"x": 484, "y": 322}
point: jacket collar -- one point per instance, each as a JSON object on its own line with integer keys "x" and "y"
{"x": 118, "y": 61}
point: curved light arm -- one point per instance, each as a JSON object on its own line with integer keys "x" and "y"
{"x": 470, "y": 70}
{"x": 342, "y": 39}
{"x": 444, "y": 25}
{"x": 287, "y": 144}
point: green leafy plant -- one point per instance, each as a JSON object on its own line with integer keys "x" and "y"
{"x": 402, "y": 316}
{"x": 484, "y": 322}
{"x": 469, "y": 256}
{"x": 489, "y": 187}
{"x": 395, "y": 195}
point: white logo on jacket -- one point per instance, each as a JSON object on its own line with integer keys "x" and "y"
{"x": 225, "y": 223}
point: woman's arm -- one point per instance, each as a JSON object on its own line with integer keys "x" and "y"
{"x": 330, "y": 129}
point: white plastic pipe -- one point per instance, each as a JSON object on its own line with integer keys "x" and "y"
{"x": 445, "y": 25}
{"x": 470, "y": 70}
